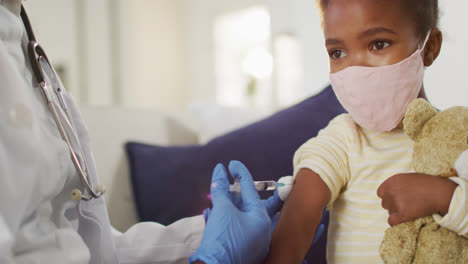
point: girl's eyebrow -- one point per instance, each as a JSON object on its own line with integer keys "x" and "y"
{"x": 374, "y": 31}
{"x": 368, "y": 33}
{"x": 333, "y": 41}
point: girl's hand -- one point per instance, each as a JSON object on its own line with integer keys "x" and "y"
{"x": 409, "y": 196}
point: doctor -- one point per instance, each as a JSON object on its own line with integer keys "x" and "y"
{"x": 51, "y": 205}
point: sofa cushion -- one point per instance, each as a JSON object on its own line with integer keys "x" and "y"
{"x": 170, "y": 183}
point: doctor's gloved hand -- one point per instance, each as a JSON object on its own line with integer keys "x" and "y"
{"x": 237, "y": 230}
{"x": 273, "y": 205}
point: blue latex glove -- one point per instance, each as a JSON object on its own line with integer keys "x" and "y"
{"x": 320, "y": 229}
{"x": 273, "y": 204}
{"x": 236, "y": 231}
{"x": 318, "y": 233}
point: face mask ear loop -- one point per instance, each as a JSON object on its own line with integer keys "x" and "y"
{"x": 425, "y": 40}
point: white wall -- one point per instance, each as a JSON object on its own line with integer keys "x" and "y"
{"x": 96, "y": 66}
{"x": 153, "y": 69}
{"x": 446, "y": 81}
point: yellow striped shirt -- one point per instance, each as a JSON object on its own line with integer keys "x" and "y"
{"x": 353, "y": 162}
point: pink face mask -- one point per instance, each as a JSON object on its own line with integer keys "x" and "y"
{"x": 377, "y": 97}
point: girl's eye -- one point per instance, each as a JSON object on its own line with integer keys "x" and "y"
{"x": 337, "y": 54}
{"x": 380, "y": 45}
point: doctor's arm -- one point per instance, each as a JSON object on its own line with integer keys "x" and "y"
{"x": 6, "y": 242}
{"x": 150, "y": 242}
{"x": 296, "y": 227}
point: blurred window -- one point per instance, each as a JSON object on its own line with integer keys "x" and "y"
{"x": 243, "y": 61}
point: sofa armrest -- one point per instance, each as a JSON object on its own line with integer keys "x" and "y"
{"x": 109, "y": 128}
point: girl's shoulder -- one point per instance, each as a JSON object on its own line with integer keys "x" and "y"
{"x": 343, "y": 122}
{"x": 343, "y": 127}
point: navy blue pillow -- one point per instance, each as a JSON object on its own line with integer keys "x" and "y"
{"x": 170, "y": 183}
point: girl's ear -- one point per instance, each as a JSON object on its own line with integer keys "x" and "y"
{"x": 433, "y": 46}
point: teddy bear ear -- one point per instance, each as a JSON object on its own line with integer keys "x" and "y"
{"x": 417, "y": 114}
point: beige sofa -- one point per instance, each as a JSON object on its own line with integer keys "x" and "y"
{"x": 110, "y": 128}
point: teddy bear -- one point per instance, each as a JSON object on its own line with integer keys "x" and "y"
{"x": 441, "y": 149}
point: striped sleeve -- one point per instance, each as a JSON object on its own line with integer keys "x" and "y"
{"x": 326, "y": 155}
{"x": 456, "y": 219}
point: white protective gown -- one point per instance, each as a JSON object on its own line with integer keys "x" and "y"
{"x": 38, "y": 221}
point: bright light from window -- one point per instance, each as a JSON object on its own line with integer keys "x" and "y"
{"x": 258, "y": 63}
{"x": 242, "y": 40}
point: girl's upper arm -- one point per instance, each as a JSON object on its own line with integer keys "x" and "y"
{"x": 299, "y": 218}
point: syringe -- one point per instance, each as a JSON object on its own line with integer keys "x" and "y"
{"x": 283, "y": 185}
{"x": 261, "y": 186}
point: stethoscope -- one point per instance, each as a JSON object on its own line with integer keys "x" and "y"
{"x": 37, "y": 57}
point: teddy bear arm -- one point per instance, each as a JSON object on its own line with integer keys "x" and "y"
{"x": 437, "y": 244}
{"x": 399, "y": 243}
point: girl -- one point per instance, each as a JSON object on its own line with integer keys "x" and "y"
{"x": 360, "y": 165}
